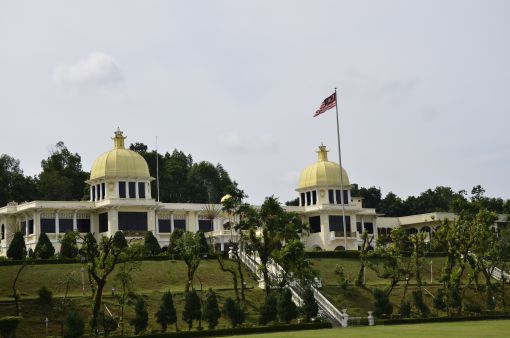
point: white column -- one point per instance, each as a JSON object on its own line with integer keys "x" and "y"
{"x": 57, "y": 223}
{"x": 75, "y": 222}
{"x": 172, "y": 222}
{"x": 106, "y": 194}
{"x": 196, "y": 223}
{"x": 136, "y": 190}
{"x": 375, "y": 228}
{"x": 156, "y": 217}
{"x": 362, "y": 224}
{"x": 90, "y": 191}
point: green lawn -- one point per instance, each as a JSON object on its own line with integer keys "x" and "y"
{"x": 481, "y": 329}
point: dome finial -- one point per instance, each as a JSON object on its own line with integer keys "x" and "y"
{"x": 118, "y": 139}
{"x": 323, "y": 153}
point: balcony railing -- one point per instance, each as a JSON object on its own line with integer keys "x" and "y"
{"x": 340, "y": 234}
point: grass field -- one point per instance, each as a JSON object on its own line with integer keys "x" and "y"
{"x": 482, "y": 329}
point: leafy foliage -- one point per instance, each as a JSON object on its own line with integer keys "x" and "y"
{"x": 192, "y": 309}
{"x": 151, "y": 244}
{"x": 211, "y": 310}
{"x": 382, "y": 305}
{"x": 44, "y": 249}
{"x": 141, "y": 320}
{"x": 268, "y": 311}
{"x": 74, "y": 325}
{"x": 310, "y": 307}
{"x": 166, "y": 313}
{"x": 17, "y": 249}
{"x": 68, "y": 245}
{"x": 233, "y": 312}
{"x": 286, "y": 308}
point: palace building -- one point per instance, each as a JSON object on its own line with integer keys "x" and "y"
{"x": 121, "y": 199}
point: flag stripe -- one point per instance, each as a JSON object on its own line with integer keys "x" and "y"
{"x": 326, "y": 105}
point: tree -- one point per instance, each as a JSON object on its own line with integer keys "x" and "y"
{"x": 292, "y": 258}
{"x": 420, "y": 304}
{"x": 74, "y": 325}
{"x": 101, "y": 261}
{"x": 204, "y": 246}
{"x": 439, "y": 301}
{"x": 343, "y": 281}
{"x": 211, "y": 310}
{"x": 141, "y": 320}
{"x": 267, "y": 229}
{"x": 382, "y": 305}
{"x": 62, "y": 177}
{"x": 190, "y": 250}
{"x": 68, "y": 245}
{"x": 268, "y": 311}
{"x": 45, "y": 299}
{"x": 192, "y": 309}
{"x": 166, "y": 313}
{"x": 14, "y": 186}
{"x": 363, "y": 255}
{"x": 17, "y": 249}
{"x": 44, "y": 249}
{"x": 286, "y": 308}
{"x": 310, "y": 307}
{"x": 233, "y": 312}
{"x": 174, "y": 241}
{"x": 151, "y": 244}
{"x": 404, "y": 309}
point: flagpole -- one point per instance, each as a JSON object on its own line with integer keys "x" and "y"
{"x": 341, "y": 172}
{"x": 157, "y": 168}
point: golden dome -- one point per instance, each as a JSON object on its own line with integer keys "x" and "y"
{"x": 323, "y": 173}
{"x": 119, "y": 162}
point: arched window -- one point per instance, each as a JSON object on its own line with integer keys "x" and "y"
{"x": 339, "y": 248}
{"x": 316, "y": 248}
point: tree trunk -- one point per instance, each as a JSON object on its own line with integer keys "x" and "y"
{"x": 97, "y": 306}
{"x": 241, "y": 275}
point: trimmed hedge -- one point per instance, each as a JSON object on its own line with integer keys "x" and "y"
{"x": 438, "y": 319}
{"x": 238, "y": 331}
{"x": 355, "y": 254}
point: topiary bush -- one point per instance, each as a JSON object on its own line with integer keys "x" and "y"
{"x": 310, "y": 307}
{"x": 17, "y": 249}
{"x": 73, "y": 325}
{"x": 68, "y": 245}
{"x": 286, "y": 308}
{"x": 382, "y": 305}
{"x": 211, "y": 312}
{"x": 268, "y": 311}
{"x": 44, "y": 249}
{"x": 151, "y": 244}
{"x": 166, "y": 313}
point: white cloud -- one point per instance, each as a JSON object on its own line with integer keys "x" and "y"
{"x": 97, "y": 71}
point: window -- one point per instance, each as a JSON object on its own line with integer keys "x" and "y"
{"x": 141, "y": 189}
{"x": 315, "y": 224}
{"x": 205, "y": 225}
{"x": 93, "y": 187}
{"x": 308, "y": 198}
{"x": 65, "y": 225}
{"x": 132, "y": 189}
{"x": 164, "y": 226}
{"x": 369, "y": 227}
{"x": 83, "y": 224}
{"x": 358, "y": 227}
{"x": 122, "y": 189}
{"x": 23, "y": 228}
{"x": 180, "y": 224}
{"x": 48, "y": 225}
{"x": 331, "y": 195}
{"x": 346, "y": 196}
{"x": 133, "y": 221}
{"x": 30, "y": 226}
{"x": 103, "y": 190}
{"x": 103, "y": 222}
{"x": 337, "y": 195}
{"x": 303, "y": 203}
{"x": 3, "y": 232}
{"x": 314, "y": 197}
{"x": 336, "y": 224}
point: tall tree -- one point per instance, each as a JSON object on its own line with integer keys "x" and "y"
{"x": 189, "y": 248}
{"x": 14, "y": 186}
{"x": 211, "y": 310}
{"x": 166, "y": 313}
{"x": 62, "y": 177}
{"x": 192, "y": 310}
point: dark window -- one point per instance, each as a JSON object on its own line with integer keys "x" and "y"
{"x": 93, "y": 187}
{"x": 346, "y": 197}
{"x": 30, "y": 226}
{"x": 83, "y": 225}
{"x": 23, "y": 228}
{"x": 314, "y": 197}
{"x": 308, "y": 198}
{"x": 205, "y": 225}
{"x": 141, "y": 189}
{"x": 48, "y": 225}
{"x": 164, "y": 225}
{"x": 180, "y": 224}
{"x": 331, "y": 195}
{"x": 103, "y": 222}
{"x": 122, "y": 189}
{"x": 337, "y": 195}
{"x": 369, "y": 227}
{"x": 103, "y": 190}
{"x": 358, "y": 227}
{"x": 132, "y": 189}
{"x": 315, "y": 224}
{"x": 133, "y": 221}
{"x": 3, "y": 232}
{"x": 65, "y": 225}
{"x": 336, "y": 224}
{"x": 303, "y": 202}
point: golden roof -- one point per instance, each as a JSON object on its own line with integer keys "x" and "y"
{"x": 323, "y": 173}
{"x": 119, "y": 162}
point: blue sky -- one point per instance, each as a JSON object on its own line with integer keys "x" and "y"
{"x": 424, "y": 86}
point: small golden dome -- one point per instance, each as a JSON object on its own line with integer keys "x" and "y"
{"x": 323, "y": 173}
{"x": 119, "y": 162}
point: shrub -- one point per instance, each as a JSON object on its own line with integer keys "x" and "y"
{"x": 233, "y": 312}
{"x": 420, "y": 304}
{"x": 44, "y": 249}
{"x": 68, "y": 246}
{"x": 310, "y": 307}
{"x": 404, "y": 309}
{"x": 151, "y": 245}
{"x": 141, "y": 320}
{"x": 73, "y": 325}
{"x": 268, "y": 310}
{"x": 166, "y": 313}
{"x": 108, "y": 323}
{"x": 382, "y": 305}
{"x": 8, "y": 326}
{"x": 204, "y": 246}
{"x": 439, "y": 300}
{"x": 17, "y": 249}
{"x": 192, "y": 309}
{"x": 473, "y": 308}
{"x": 45, "y": 298}
{"x": 211, "y": 310}
{"x": 286, "y": 308}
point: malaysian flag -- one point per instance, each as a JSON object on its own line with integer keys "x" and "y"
{"x": 327, "y": 104}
